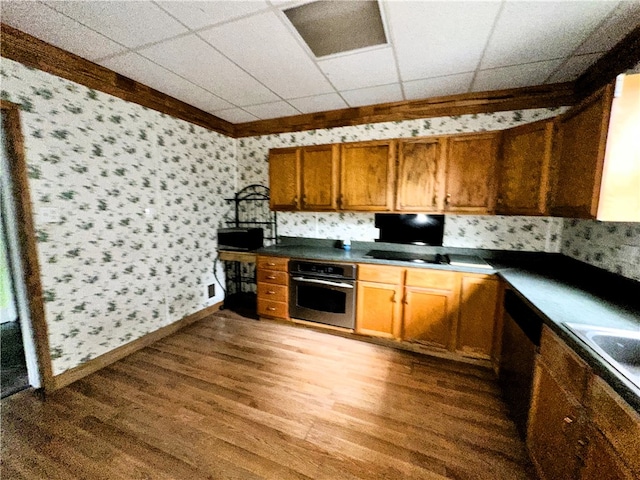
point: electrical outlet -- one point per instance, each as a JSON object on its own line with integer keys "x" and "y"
{"x": 211, "y": 290}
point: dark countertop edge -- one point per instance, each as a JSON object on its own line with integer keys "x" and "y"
{"x": 623, "y": 387}
{"x": 501, "y": 266}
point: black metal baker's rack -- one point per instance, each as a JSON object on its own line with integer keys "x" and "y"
{"x": 250, "y": 210}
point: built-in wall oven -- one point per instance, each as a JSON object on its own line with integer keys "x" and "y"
{"x": 323, "y": 292}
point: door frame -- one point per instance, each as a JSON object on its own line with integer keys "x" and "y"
{"x": 30, "y": 267}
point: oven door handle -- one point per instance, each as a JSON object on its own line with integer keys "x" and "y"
{"x": 323, "y": 282}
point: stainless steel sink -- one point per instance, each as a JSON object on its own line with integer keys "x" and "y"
{"x": 620, "y": 348}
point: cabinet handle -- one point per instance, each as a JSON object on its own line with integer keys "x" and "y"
{"x": 393, "y": 299}
{"x": 271, "y": 309}
{"x": 271, "y": 264}
{"x": 447, "y": 199}
{"x": 270, "y": 292}
{"x": 568, "y": 420}
{"x": 304, "y": 200}
{"x": 500, "y": 201}
{"x": 435, "y": 200}
{"x": 271, "y": 277}
{"x": 340, "y": 200}
{"x": 295, "y": 200}
{"x": 583, "y": 443}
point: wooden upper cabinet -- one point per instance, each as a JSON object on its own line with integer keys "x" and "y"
{"x": 319, "y": 177}
{"x": 420, "y": 175}
{"x": 284, "y": 178}
{"x": 470, "y": 173}
{"x": 367, "y": 176}
{"x": 523, "y": 169}
{"x": 579, "y": 157}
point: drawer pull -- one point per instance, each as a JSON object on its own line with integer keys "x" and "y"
{"x": 271, "y": 264}
{"x": 568, "y": 420}
{"x": 271, "y": 277}
{"x": 271, "y": 309}
{"x": 270, "y": 292}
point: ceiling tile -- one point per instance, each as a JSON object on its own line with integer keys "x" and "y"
{"x": 514, "y": 76}
{"x": 359, "y": 70}
{"x": 235, "y": 115}
{"x": 534, "y": 31}
{"x": 373, "y": 95}
{"x": 319, "y": 103}
{"x": 264, "y": 47}
{"x": 200, "y": 14}
{"x": 624, "y": 19}
{"x": 148, "y": 73}
{"x": 194, "y": 59}
{"x": 439, "y": 86}
{"x": 573, "y": 68}
{"x": 57, "y": 29}
{"x": 132, "y": 23}
{"x": 434, "y": 39}
{"x": 272, "y": 110}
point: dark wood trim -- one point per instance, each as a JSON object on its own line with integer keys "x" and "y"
{"x": 27, "y": 238}
{"x": 30, "y": 51}
{"x": 119, "y": 353}
{"x": 625, "y": 55}
{"x": 541, "y": 96}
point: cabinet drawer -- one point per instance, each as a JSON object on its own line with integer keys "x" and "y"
{"x": 273, "y": 263}
{"x": 569, "y": 369}
{"x": 272, "y": 276}
{"x": 426, "y": 278}
{"x": 272, "y": 292}
{"x": 617, "y": 421}
{"x": 268, "y": 308}
{"x": 380, "y": 274}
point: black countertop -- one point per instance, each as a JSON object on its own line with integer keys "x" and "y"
{"x": 558, "y": 288}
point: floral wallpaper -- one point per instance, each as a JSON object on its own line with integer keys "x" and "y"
{"x": 510, "y": 233}
{"x": 612, "y": 246}
{"x": 126, "y": 204}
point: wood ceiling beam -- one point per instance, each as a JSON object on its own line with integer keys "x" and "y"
{"x": 30, "y": 51}
{"x": 625, "y": 55}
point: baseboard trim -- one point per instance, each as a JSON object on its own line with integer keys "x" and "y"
{"x": 76, "y": 373}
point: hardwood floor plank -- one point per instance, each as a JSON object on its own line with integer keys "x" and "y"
{"x": 232, "y": 398}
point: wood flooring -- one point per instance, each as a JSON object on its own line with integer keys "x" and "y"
{"x": 233, "y": 398}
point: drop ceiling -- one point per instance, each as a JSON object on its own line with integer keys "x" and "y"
{"x": 243, "y": 60}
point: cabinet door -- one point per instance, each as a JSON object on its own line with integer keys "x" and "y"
{"x": 319, "y": 170}
{"x": 523, "y": 169}
{"x": 579, "y": 159}
{"x": 602, "y": 461}
{"x": 378, "y": 309}
{"x": 284, "y": 179}
{"x": 420, "y": 175}
{"x": 367, "y": 176}
{"x": 428, "y": 315}
{"x": 470, "y": 178}
{"x": 556, "y": 423}
{"x": 477, "y": 315}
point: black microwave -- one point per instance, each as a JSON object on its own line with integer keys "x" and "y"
{"x": 240, "y": 238}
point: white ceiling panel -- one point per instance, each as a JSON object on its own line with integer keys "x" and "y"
{"x": 194, "y": 59}
{"x": 573, "y": 67}
{"x": 319, "y": 103}
{"x": 434, "y": 39}
{"x": 365, "y": 69}
{"x": 264, "y": 47}
{"x": 514, "y": 76}
{"x": 534, "y": 31}
{"x": 373, "y": 95}
{"x": 272, "y": 110}
{"x": 148, "y": 73}
{"x": 130, "y": 23}
{"x": 57, "y": 29}
{"x": 439, "y": 86}
{"x": 235, "y": 115}
{"x": 200, "y": 14}
{"x": 624, "y": 19}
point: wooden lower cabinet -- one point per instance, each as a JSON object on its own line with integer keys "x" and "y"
{"x": 379, "y": 309}
{"x": 556, "y": 423}
{"x": 477, "y": 321}
{"x": 273, "y": 287}
{"x": 428, "y": 316}
{"x": 601, "y": 461}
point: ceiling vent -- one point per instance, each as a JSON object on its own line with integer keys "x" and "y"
{"x": 330, "y": 27}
